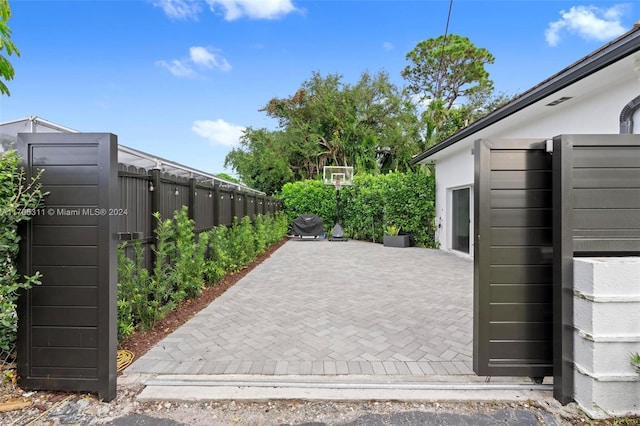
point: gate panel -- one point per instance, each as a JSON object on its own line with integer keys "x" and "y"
{"x": 67, "y": 335}
{"x": 513, "y": 259}
{"x": 596, "y": 213}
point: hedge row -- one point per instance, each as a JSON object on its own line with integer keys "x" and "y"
{"x": 372, "y": 203}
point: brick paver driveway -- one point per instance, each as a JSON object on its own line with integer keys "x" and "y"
{"x": 332, "y": 308}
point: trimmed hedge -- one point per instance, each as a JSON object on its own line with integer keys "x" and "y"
{"x": 373, "y": 202}
{"x": 185, "y": 264}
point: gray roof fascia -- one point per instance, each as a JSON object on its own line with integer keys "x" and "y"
{"x": 610, "y": 53}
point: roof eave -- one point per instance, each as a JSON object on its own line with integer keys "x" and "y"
{"x": 610, "y": 53}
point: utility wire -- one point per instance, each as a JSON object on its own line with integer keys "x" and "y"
{"x": 444, "y": 41}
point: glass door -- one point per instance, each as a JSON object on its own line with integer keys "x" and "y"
{"x": 460, "y": 230}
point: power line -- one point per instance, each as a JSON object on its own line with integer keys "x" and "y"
{"x": 444, "y": 41}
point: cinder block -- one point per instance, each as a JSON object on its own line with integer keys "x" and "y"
{"x": 605, "y": 358}
{"x": 607, "y": 319}
{"x": 607, "y": 276}
{"x": 602, "y": 399}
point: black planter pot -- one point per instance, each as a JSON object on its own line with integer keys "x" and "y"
{"x": 397, "y": 241}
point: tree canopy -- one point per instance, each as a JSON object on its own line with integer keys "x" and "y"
{"x": 368, "y": 125}
{"x": 371, "y": 125}
{"x": 444, "y": 71}
{"x": 6, "y": 69}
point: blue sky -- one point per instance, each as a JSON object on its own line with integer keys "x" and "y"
{"x": 181, "y": 78}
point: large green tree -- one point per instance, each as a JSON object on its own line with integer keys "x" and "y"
{"x": 6, "y": 69}
{"x": 368, "y": 125}
{"x": 444, "y": 72}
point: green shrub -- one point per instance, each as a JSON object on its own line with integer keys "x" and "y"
{"x": 19, "y": 200}
{"x": 310, "y": 197}
{"x": 183, "y": 265}
{"x": 406, "y": 200}
{"x": 188, "y": 267}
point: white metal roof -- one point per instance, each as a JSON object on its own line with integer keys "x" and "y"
{"x": 131, "y": 157}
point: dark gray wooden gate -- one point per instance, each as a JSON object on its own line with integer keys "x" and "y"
{"x": 67, "y": 334}
{"x": 512, "y": 333}
{"x": 596, "y": 212}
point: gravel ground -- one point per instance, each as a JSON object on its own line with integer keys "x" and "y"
{"x": 52, "y": 409}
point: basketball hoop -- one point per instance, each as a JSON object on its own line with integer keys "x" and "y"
{"x": 337, "y": 176}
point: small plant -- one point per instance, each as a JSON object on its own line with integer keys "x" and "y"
{"x": 635, "y": 361}
{"x": 391, "y": 230}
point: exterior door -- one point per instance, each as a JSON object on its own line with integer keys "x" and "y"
{"x": 67, "y": 329}
{"x": 460, "y": 207}
{"x": 513, "y": 259}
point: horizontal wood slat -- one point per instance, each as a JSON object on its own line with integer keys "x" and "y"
{"x": 519, "y": 160}
{"x": 521, "y": 293}
{"x": 70, "y": 195}
{"x": 64, "y": 296}
{"x": 606, "y": 178}
{"x": 64, "y": 256}
{"x": 605, "y": 156}
{"x": 519, "y": 198}
{"x": 608, "y": 198}
{"x": 69, "y": 275}
{"x": 606, "y": 218}
{"x": 64, "y": 357}
{"x": 74, "y": 337}
{"x": 520, "y": 312}
{"x": 65, "y": 175}
{"x": 522, "y": 217}
{"x": 541, "y": 255}
{"x": 523, "y": 352}
{"x": 65, "y": 235}
{"x": 59, "y": 155}
{"x": 538, "y": 179}
{"x": 65, "y": 316}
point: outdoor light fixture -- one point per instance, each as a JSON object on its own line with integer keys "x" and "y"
{"x": 177, "y": 192}
{"x": 210, "y": 194}
{"x": 151, "y": 188}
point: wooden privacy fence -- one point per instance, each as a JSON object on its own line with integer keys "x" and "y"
{"x": 144, "y": 192}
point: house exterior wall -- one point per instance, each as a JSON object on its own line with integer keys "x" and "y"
{"x": 453, "y": 172}
{"x": 595, "y": 113}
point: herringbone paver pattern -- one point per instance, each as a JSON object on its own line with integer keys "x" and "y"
{"x": 332, "y": 308}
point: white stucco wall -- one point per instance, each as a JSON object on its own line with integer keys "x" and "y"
{"x": 453, "y": 172}
{"x": 595, "y": 112}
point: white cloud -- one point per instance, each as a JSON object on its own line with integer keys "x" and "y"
{"x": 199, "y": 57}
{"x": 208, "y": 59}
{"x": 231, "y": 9}
{"x": 178, "y": 68}
{"x": 254, "y": 9}
{"x": 387, "y": 46}
{"x": 179, "y": 9}
{"x": 218, "y": 132}
{"x": 589, "y": 22}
